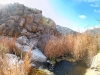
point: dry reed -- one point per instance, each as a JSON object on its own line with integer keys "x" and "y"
{"x": 79, "y": 46}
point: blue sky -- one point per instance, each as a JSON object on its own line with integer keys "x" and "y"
{"x": 74, "y": 14}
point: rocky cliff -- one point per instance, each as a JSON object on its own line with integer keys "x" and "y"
{"x": 17, "y": 19}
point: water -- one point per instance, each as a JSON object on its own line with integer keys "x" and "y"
{"x": 69, "y": 68}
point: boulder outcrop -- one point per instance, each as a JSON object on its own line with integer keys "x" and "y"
{"x": 17, "y": 19}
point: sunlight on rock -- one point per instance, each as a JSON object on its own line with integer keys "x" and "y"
{"x": 92, "y": 72}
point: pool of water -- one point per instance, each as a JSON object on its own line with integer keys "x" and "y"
{"x": 69, "y": 68}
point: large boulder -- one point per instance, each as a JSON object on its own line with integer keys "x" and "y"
{"x": 22, "y": 48}
{"x": 51, "y": 22}
{"x": 15, "y": 18}
{"x": 37, "y": 55}
{"x": 23, "y": 40}
{"x": 22, "y": 22}
{"x": 31, "y": 27}
{"x": 96, "y": 62}
{"x": 43, "y": 40}
{"x": 29, "y": 18}
{"x": 92, "y": 72}
{"x": 37, "y": 18}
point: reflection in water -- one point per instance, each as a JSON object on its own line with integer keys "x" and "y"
{"x": 69, "y": 68}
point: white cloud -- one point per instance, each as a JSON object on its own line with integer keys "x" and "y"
{"x": 82, "y": 16}
{"x": 95, "y": 5}
{"x": 98, "y": 11}
{"x": 91, "y": 0}
{"x": 86, "y": 0}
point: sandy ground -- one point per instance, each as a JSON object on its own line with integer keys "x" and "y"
{"x": 92, "y": 72}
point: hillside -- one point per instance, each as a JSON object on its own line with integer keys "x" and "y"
{"x": 65, "y": 30}
{"x": 94, "y": 31}
{"x": 31, "y": 44}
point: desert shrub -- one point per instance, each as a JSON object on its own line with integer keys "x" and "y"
{"x": 80, "y": 47}
{"x": 45, "y": 21}
{"x": 56, "y": 47}
{"x": 7, "y": 45}
{"x": 85, "y": 47}
{"x": 12, "y": 66}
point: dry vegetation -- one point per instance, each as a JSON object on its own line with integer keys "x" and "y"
{"x": 9, "y": 65}
{"x": 80, "y": 46}
{"x": 7, "y": 45}
{"x": 13, "y": 66}
{"x": 45, "y": 21}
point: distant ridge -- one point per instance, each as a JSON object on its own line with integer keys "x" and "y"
{"x": 94, "y": 31}
{"x": 65, "y": 30}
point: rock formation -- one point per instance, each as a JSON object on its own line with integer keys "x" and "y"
{"x": 17, "y": 20}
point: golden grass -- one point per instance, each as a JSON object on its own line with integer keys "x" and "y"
{"x": 27, "y": 62}
{"x": 79, "y": 46}
{"x": 59, "y": 46}
{"x": 10, "y": 67}
{"x": 7, "y": 45}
